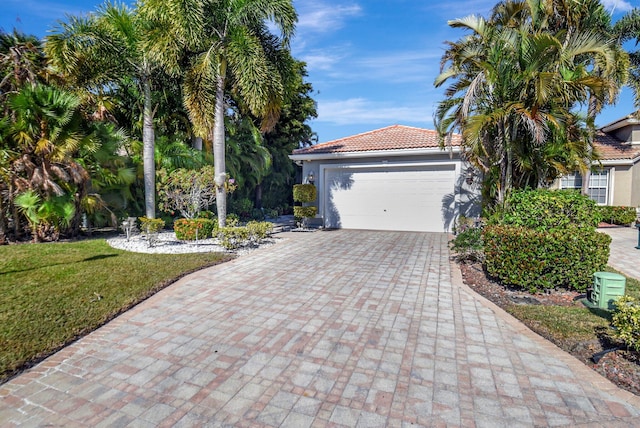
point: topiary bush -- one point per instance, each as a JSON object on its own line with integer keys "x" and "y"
{"x": 191, "y": 229}
{"x": 541, "y": 260}
{"x": 626, "y": 321}
{"x": 304, "y": 193}
{"x": 304, "y": 212}
{"x": 543, "y": 209}
{"x": 617, "y": 215}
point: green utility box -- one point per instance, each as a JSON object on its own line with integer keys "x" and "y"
{"x": 607, "y": 287}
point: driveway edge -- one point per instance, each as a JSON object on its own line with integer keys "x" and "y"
{"x": 597, "y": 379}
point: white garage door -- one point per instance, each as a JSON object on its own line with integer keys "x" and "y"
{"x": 393, "y": 198}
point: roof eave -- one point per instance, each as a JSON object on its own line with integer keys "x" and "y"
{"x": 620, "y": 123}
{"x": 617, "y": 162}
{"x": 373, "y": 153}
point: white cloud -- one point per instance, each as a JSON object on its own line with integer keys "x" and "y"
{"x": 320, "y": 17}
{"x": 363, "y": 111}
{"x": 319, "y": 60}
{"x": 617, "y": 5}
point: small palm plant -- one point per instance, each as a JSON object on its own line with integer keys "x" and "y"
{"x": 45, "y": 217}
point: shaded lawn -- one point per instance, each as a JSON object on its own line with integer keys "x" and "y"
{"x": 51, "y": 294}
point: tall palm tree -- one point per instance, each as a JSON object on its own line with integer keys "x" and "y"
{"x": 22, "y": 62}
{"x": 108, "y": 48}
{"x": 628, "y": 28}
{"x": 514, "y": 82}
{"x": 224, "y": 45}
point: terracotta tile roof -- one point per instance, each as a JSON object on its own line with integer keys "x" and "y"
{"x": 396, "y": 137}
{"x": 610, "y": 148}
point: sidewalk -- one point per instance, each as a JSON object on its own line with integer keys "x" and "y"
{"x": 624, "y": 256}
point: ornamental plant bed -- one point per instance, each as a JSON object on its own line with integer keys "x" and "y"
{"x": 561, "y": 317}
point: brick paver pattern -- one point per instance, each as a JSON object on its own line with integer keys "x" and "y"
{"x": 332, "y": 328}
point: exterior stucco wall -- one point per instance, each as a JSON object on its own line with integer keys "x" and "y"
{"x": 621, "y": 185}
{"x": 635, "y": 186}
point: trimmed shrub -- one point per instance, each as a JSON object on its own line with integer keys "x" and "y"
{"x": 191, "y": 229}
{"x": 626, "y": 321}
{"x": 617, "y": 215}
{"x": 304, "y": 193}
{"x": 259, "y": 230}
{"x": 537, "y": 260}
{"x": 303, "y": 212}
{"x": 233, "y": 237}
{"x": 543, "y": 209}
{"x": 151, "y": 225}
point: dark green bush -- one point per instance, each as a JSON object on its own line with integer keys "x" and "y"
{"x": 188, "y": 229}
{"x": 617, "y": 215}
{"x": 304, "y": 193}
{"x": 242, "y": 207}
{"x": 535, "y": 260}
{"x": 543, "y": 209}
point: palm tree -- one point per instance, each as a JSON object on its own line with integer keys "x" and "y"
{"x": 22, "y": 62}
{"x": 47, "y": 134}
{"x": 108, "y": 48}
{"x": 514, "y": 83}
{"x": 224, "y": 45}
{"x": 628, "y": 28}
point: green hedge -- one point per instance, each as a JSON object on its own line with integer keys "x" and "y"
{"x": 186, "y": 228}
{"x": 536, "y": 260}
{"x": 617, "y": 215}
{"x": 543, "y": 209}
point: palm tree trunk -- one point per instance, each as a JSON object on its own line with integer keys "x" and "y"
{"x": 196, "y": 143}
{"x": 219, "y": 152}
{"x": 3, "y": 222}
{"x": 14, "y": 212}
{"x": 148, "y": 158}
{"x": 258, "y": 195}
{"x": 591, "y": 116}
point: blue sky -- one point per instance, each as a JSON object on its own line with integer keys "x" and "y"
{"x": 372, "y": 63}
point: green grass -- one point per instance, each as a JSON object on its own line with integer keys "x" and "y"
{"x": 51, "y": 294}
{"x": 570, "y": 325}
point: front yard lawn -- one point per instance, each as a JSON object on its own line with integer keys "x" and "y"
{"x": 51, "y": 294}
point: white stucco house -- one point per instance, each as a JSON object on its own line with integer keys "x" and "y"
{"x": 394, "y": 178}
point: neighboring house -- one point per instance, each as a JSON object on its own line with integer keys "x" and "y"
{"x": 616, "y": 177}
{"x": 394, "y": 178}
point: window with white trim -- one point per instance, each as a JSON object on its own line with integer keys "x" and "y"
{"x": 598, "y": 184}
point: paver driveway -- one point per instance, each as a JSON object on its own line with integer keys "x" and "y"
{"x": 338, "y": 328}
